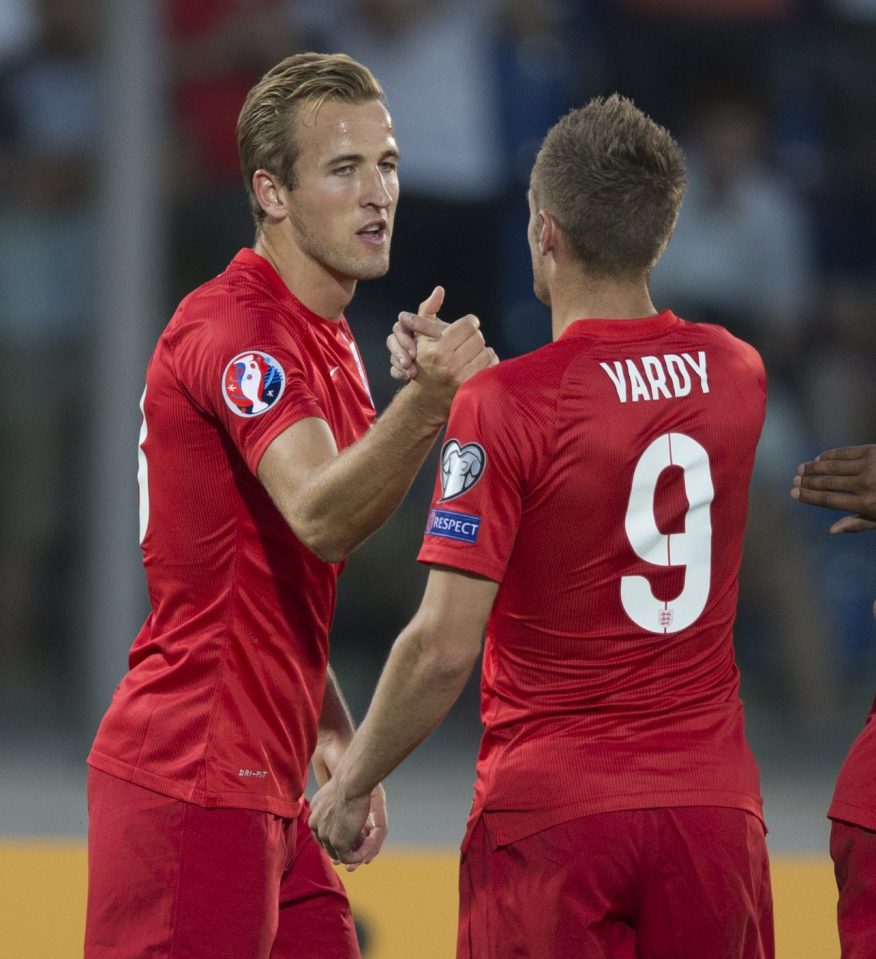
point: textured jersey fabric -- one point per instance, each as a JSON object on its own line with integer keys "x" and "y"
{"x": 854, "y": 798}
{"x": 603, "y": 482}
{"x": 226, "y": 678}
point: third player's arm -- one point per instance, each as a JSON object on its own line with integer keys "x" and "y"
{"x": 333, "y": 501}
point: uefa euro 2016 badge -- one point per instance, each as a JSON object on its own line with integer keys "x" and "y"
{"x": 461, "y": 468}
{"x": 252, "y": 383}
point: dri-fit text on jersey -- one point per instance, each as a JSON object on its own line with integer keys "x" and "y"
{"x": 667, "y": 376}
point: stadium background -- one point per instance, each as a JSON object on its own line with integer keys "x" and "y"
{"x": 119, "y": 192}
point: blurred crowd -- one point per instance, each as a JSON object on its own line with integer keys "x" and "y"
{"x": 774, "y": 102}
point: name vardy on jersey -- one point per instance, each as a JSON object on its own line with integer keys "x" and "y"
{"x": 655, "y": 377}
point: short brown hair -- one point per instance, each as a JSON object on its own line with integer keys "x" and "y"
{"x": 265, "y": 132}
{"x": 614, "y": 181}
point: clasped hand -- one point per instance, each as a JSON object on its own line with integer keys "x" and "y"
{"x": 425, "y": 348}
{"x": 350, "y": 830}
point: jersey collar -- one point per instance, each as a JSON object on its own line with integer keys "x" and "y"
{"x": 636, "y": 329}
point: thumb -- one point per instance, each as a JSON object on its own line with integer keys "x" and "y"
{"x": 430, "y": 326}
{"x": 852, "y": 524}
{"x": 433, "y": 302}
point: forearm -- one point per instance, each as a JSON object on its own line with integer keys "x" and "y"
{"x": 354, "y": 493}
{"x": 427, "y": 669}
{"x": 416, "y": 690}
{"x": 335, "y": 720}
{"x": 334, "y": 731}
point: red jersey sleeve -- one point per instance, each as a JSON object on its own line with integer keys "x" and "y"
{"x": 255, "y": 376}
{"x": 486, "y": 459}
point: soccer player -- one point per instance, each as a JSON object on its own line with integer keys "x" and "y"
{"x": 845, "y": 479}
{"x": 590, "y": 511}
{"x": 261, "y": 468}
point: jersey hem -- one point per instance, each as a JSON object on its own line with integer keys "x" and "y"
{"x": 507, "y": 826}
{"x": 229, "y": 799}
{"x": 254, "y": 454}
{"x": 489, "y": 570}
{"x": 854, "y": 815}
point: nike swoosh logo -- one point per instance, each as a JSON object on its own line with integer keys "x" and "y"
{"x": 333, "y": 370}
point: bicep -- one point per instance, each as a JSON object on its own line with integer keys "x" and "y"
{"x": 294, "y": 458}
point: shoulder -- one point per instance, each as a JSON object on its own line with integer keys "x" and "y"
{"x": 233, "y": 311}
{"x": 522, "y": 377}
{"x": 234, "y": 294}
{"x": 720, "y": 338}
{"x": 518, "y": 397}
{"x": 731, "y": 360}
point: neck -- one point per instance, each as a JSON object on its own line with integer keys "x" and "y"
{"x": 601, "y": 299}
{"x": 309, "y": 281}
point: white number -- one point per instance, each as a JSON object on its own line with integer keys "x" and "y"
{"x": 691, "y": 549}
{"x": 143, "y": 472}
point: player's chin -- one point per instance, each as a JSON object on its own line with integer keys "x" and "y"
{"x": 373, "y": 270}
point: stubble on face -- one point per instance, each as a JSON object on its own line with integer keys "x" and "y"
{"x": 338, "y": 258}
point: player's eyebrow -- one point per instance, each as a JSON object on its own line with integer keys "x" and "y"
{"x": 345, "y": 158}
{"x": 359, "y": 158}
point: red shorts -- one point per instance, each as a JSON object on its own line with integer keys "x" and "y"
{"x": 853, "y": 850}
{"x": 675, "y": 883}
{"x": 172, "y": 880}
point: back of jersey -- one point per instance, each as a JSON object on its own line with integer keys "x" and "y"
{"x": 611, "y": 506}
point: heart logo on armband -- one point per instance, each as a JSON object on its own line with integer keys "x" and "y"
{"x": 461, "y": 468}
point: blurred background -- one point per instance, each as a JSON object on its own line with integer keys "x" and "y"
{"x": 120, "y": 192}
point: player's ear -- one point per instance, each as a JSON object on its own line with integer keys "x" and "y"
{"x": 269, "y": 193}
{"x": 547, "y": 232}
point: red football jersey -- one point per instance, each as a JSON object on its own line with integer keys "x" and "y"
{"x": 854, "y": 798}
{"x": 226, "y": 677}
{"x": 603, "y": 482}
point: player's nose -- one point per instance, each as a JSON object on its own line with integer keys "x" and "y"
{"x": 376, "y": 191}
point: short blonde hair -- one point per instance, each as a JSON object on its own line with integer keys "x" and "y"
{"x": 614, "y": 180}
{"x": 265, "y": 131}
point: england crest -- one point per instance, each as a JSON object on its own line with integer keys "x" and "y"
{"x": 252, "y": 383}
{"x": 461, "y": 468}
